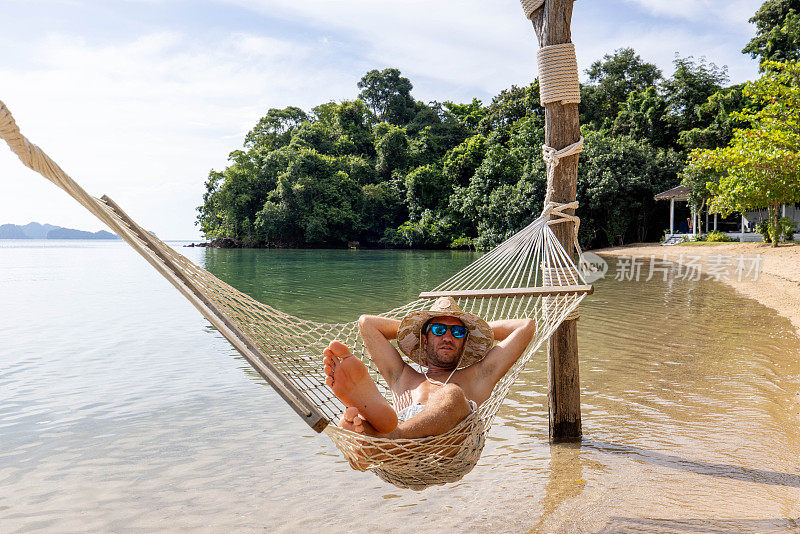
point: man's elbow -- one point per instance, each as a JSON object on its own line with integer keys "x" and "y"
{"x": 529, "y": 326}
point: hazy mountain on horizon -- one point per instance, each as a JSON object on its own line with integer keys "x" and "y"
{"x": 34, "y": 230}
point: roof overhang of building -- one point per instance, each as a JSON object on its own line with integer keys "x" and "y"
{"x": 676, "y": 193}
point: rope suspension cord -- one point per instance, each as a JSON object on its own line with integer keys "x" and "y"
{"x": 558, "y": 82}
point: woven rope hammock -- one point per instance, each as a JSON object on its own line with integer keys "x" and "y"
{"x": 529, "y": 275}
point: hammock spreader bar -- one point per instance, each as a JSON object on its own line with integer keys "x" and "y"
{"x": 547, "y": 291}
{"x": 286, "y": 389}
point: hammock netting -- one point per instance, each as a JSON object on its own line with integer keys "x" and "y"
{"x": 529, "y": 275}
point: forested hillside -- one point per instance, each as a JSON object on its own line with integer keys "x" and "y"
{"x": 387, "y": 170}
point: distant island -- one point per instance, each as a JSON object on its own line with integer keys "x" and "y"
{"x": 35, "y": 230}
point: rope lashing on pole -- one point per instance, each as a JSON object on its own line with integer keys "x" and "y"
{"x": 529, "y": 6}
{"x": 558, "y": 74}
{"x": 558, "y": 82}
{"x": 556, "y": 210}
{"x": 558, "y": 67}
{"x": 552, "y": 158}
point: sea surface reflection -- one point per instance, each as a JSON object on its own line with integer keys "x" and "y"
{"x": 121, "y": 410}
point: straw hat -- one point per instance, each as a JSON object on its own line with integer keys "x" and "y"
{"x": 479, "y": 339}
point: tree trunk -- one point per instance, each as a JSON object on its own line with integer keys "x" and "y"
{"x": 775, "y": 226}
{"x": 552, "y": 25}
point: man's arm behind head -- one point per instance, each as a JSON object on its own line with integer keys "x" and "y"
{"x": 376, "y": 332}
{"x": 513, "y": 336}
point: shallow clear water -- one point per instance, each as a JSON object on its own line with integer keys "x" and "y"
{"x": 122, "y": 410}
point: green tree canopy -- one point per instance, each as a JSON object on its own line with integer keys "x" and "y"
{"x": 611, "y": 80}
{"x": 470, "y": 115}
{"x": 689, "y": 87}
{"x": 716, "y": 116}
{"x": 274, "y": 129}
{"x": 760, "y": 166}
{"x": 387, "y": 170}
{"x": 777, "y": 31}
{"x": 388, "y": 94}
{"x": 426, "y": 188}
{"x": 354, "y": 129}
{"x": 316, "y": 202}
{"x": 462, "y": 161}
{"x": 644, "y": 116}
{"x": 510, "y": 106}
{"x": 392, "y": 148}
{"x": 617, "y": 179}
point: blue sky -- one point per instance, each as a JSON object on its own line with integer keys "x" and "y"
{"x": 139, "y": 99}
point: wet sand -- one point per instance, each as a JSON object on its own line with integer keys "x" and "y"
{"x": 778, "y": 283}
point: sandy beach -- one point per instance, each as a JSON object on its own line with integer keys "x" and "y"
{"x": 777, "y": 284}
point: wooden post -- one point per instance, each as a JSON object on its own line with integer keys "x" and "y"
{"x": 552, "y": 25}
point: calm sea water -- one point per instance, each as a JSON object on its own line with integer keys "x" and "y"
{"x": 121, "y": 410}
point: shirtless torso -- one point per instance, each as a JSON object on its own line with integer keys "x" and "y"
{"x": 477, "y": 380}
{"x": 445, "y": 392}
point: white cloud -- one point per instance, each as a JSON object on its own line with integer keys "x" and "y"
{"x": 145, "y": 120}
{"x": 688, "y": 9}
{"x": 144, "y": 113}
{"x": 470, "y": 45}
{"x": 733, "y": 13}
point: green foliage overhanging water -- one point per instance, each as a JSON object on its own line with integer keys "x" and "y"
{"x": 386, "y": 170}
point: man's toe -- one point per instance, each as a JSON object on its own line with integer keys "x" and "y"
{"x": 351, "y": 413}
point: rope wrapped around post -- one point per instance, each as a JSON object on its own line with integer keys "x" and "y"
{"x": 558, "y": 82}
{"x": 556, "y": 210}
{"x": 558, "y": 74}
{"x": 530, "y": 6}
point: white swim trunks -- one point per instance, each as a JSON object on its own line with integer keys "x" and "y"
{"x": 410, "y": 411}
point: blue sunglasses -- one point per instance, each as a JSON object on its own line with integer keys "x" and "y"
{"x": 438, "y": 329}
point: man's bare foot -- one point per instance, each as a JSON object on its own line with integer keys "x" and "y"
{"x": 368, "y": 455}
{"x": 352, "y": 421}
{"x": 349, "y": 379}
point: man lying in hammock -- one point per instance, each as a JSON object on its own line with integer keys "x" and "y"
{"x": 457, "y": 348}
